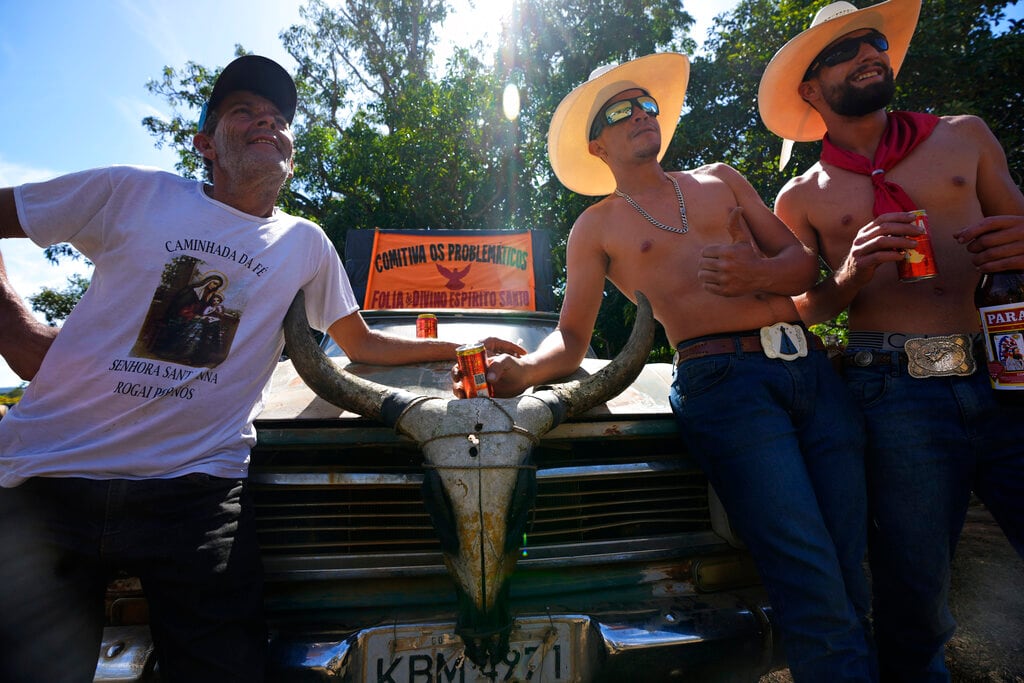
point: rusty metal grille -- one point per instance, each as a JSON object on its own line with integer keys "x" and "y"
{"x": 331, "y": 514}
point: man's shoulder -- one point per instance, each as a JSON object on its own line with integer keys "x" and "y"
{"x": 964, "y": 124}
{"x": 132, "y": 179}
{"x": 597, "y": 218}
{"x": 810, "y": 180}
{"x": 595, "y": 212}
{"x": 150, "y": 172}
{"x": 963, "y": 137}
{"x": 801, "y": 192}
{"x": 116, "y": 173}
{"x": 128, "y": 183}
{"x": 961, "y": 120}
{"x": 299, "y": 224}
{"x": 718, "y": 170}
{"x": 714, "y": 168}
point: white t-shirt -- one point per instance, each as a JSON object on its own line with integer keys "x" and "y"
{"x": 161, "y": 368}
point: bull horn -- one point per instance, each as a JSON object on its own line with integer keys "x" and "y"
{"x": 578, "y": 396}
{"x": 343, "y": 389}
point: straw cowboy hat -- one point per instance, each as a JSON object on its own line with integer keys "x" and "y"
{"x": 664, "y": 76}
{"x": 783, "y": 111}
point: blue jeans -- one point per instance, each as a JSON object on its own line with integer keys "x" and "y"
{"x": 190, "y": 540}
{"x": 930, "y": 441}
{"x": 783, "y": 444}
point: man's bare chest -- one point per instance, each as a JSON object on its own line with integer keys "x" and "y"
{"x": 845, "y": 202}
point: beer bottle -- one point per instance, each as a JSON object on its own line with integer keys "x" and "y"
{"x": 999, "y": 298}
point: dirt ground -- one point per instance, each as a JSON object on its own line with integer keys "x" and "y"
{"x": 988, "y": 603}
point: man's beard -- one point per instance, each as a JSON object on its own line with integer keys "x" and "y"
{"x": 846, "y": 100}
{"x": 236, "y": 160}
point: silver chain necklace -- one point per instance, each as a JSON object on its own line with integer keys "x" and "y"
{"x": 651, "y": 219}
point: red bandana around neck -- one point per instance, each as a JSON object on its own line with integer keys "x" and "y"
{"x": 903, "y": 132}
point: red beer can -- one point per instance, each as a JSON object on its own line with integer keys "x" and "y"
{"x": 918, "y": 263}
{"x": 426, "y": 326}
{"x": 472, "y": 359}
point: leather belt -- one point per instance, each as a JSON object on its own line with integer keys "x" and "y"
{"x": 865, "y": 359}
{"x": 746, "y": 344}
{"x": 710, "y": 347}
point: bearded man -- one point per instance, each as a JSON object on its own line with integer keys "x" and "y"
{"x": 914, "y": 358}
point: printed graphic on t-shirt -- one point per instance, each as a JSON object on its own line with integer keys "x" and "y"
{"x": 191, "y": 321}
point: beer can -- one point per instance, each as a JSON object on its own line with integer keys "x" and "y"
{"x": 918, "y": 263}
{"x": 426, "y": 326}
{"x": 472, "y": 359}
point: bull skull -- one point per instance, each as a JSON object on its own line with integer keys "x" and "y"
{"x": 479, "y": 484}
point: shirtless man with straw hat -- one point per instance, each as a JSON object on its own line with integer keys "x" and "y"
{"x": 756, "y": 400}
{"x": 935, "y": 430}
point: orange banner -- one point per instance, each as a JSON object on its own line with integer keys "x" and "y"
{"x": 475, "y": 271}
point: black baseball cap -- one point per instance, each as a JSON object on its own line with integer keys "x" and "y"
{"x": 257, "y": 74}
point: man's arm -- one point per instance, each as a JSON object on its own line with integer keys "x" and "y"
{"x": 880, "y": 241}
{"x": 363, "y": 345}
{"x": 24, "y": 340}
{"x": 997, "y": 242}
{"x": 561, "y": 352}
{"x": 10, "y": 224}
{"x": 764, "y": 256}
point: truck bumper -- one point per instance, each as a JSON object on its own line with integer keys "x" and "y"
{"x": 714, "y": 636}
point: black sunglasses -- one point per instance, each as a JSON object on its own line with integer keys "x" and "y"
{"x": 847, "y": 50}
{"x": 616, "y": 112}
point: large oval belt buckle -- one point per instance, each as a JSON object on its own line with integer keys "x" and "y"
{"x": 940, "y": 356}
{"x": 784, "y": 341}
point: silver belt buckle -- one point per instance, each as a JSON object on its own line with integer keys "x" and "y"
{"x": 940, "y": 356}
{"x": 772, "y": 336}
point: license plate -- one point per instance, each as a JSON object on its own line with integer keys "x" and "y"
{"x": 539, "y": 650}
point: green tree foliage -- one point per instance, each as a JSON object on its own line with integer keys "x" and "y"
{"x": 185, "y": 91}
{"x": 438, "y": 161}
{"x": 361, "y": 51}
{"x": 365, "y": 72}
{"x": 56, "y": 304}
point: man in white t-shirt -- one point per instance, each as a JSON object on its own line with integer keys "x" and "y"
{"x": 130, "y": 447}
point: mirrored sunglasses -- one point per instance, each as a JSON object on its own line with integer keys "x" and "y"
{"x": 616, "y": 112}
{"x": 847, "y": 50}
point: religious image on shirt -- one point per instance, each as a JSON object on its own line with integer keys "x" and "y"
{"x": 190, "y": 321}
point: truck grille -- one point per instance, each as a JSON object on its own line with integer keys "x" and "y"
{"x": 334, "y": 513}
{"x": 343, "y": 500}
